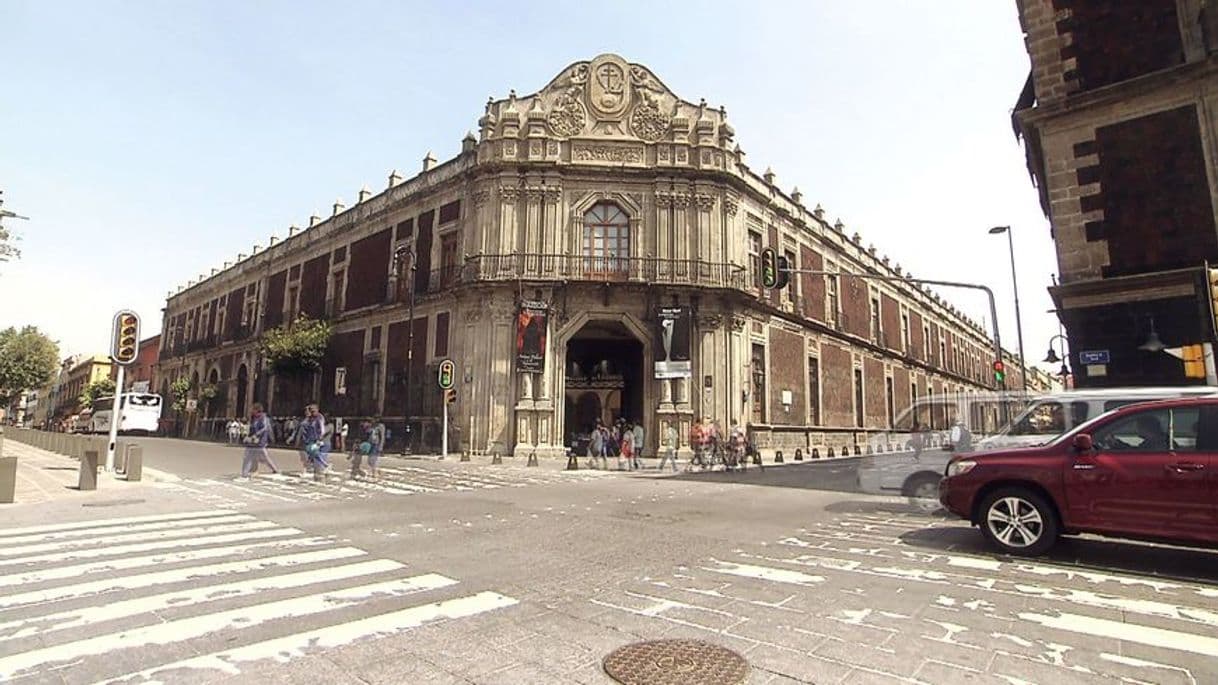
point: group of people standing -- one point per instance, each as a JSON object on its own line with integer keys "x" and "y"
{"x": 314, "y": 437}
{"x": 623, "y": 441}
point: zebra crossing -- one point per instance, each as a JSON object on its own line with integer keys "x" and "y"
{"x": 143, "y": 598}
{"x": 397, "y": 480}
{"x": 851, "y": 600}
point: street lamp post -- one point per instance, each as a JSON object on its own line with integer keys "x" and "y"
{"x": 1052, "y": 357}
{"x": 397, "y": 257}
{"x": 1023, "y": 361}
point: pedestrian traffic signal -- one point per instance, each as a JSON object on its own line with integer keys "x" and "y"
{"x": 447, "y": 374}
{"x": 450, "y": 396}
{"x": 125, "y": 340}
{"x": 1194, "y": 361}
{"x": 1000, "y": 371}
{"x": 775, "y": 270}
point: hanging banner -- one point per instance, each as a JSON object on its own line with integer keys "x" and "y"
{"x": 531, "y": 325}
{"x": 672, "y": 353}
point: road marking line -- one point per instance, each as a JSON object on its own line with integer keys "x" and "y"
{"x": 58, "y": 572}
{"x": 244, "y": 531}
{"x": 179, "y": 575}
{"x": 234, "y": 619}
{"x": 129, "y": 528}
{"x": 111, "y": 521}
{"x": 1130, "y": 632}
{"x": 779, "y": 575}
{"x": 285, "y": 649}
{"x": 225, "y": 524}
{"x": 75, "y": 618}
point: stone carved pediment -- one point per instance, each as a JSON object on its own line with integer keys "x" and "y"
{"x": 610, "y": 98}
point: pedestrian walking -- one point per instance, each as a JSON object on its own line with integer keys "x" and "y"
{"x": 377, "y": 437}
{"x": 638, "y": 442}
{"x": 670, "y": 448}
{"x": 316, "y": 435}
{"x": 596, "y": 445}
{"x": 256, "y": 444}
{"x": 627, "y": 448}
{"x": 342, "y": 434}
{"x": 234, "y": 431}
{"x": 360, "y": 448}
{"x": 697, "y": 434}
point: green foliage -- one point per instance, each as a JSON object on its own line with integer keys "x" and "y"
{"x": 96, "y": 389}
{"x": 207, "y": 393}
{"x": 180, "y": 389}
{"x": 298, "y": 346}
{"x": 7, "y": 249}
{"x": 28, "y": 360}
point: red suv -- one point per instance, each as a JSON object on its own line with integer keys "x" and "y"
{"x": 1142, "y": 471}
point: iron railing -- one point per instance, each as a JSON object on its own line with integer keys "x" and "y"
{"x": 504, "y": 267}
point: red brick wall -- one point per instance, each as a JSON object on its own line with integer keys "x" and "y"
{"x": 346, "y": 350}
{"x": 856, "y": 307}
{"x": 875, "y": 398}
{"x": 313, "y": 286}
{"x": 395, "y": 364}
{"x": 232, "y": 313}
{"x": 900, "y": 378}
{"x": 787, "y": 363}
{"x": 1154, "y": 193}
{"x": 368, "y": 271}
{"x": 422, "y": 251}
{"x": 274, "y": 303}
{"x": 916, "y": 339}
{"x": 837, "y": 386}
{"x": 813, "y": 286}
{"x": 890, "y": 319}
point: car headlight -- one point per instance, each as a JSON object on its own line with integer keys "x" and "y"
{"x": 963, "y": 466}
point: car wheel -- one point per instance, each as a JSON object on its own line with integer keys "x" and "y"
{"x": 1019, "y": 521}
{"x": 923, "y": 492}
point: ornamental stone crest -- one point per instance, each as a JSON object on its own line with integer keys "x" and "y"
{"x": 567, "y": 117}
{"x": 608, "y": 86}
{"x": 648, "y": 121}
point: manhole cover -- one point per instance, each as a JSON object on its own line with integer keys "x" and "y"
{"x": 676, "y": 662}
{"x": 112, "y": 503}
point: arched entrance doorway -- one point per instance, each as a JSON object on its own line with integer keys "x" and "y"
{"x": 243, "y": 381}
{"x": 604, "y": 378}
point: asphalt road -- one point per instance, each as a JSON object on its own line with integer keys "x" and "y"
{"x": 471, "y": 573}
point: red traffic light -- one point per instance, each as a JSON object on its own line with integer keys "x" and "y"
{"x": 1000, "y": 370}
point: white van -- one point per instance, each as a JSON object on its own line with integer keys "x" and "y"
{"x": 1051, "y": 415}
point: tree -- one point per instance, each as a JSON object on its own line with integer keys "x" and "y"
{"x": 94, "y": 390}
{"x": 7, "y": 249}
{"x": 297, "y": 347}
{"x": 180, "y": 389}
{"x": 28, "y": 360}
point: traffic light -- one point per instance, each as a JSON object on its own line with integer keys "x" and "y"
{"x": 1000, "y": 371}
{"x": 769, "y": 268}
{"x": 125, "y": 341}
{"x": 1194, "y": 361}
{"x": 775, "y": 270}
{"x": 446, "y": 376}
{"x": 450, "y": 395}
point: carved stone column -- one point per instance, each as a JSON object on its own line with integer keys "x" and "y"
{"x": 482, "y": 223}
{"x": 532, "y": 227}
{"x": 683, "y": 238}
{"x": 709, "y": 249}
{"x": 664, "y": 238}
{"x": 552, "y": 241}
{"x": 508, "y": 238}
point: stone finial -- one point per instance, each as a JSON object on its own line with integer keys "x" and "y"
{"x": 314, "y": 219}
{"x": 364, "y": 194}
{"x": 839, "y": 225}
{"x": 190, "y": 283}
{"x": 871, "y": 249}
{"x": 897, "y": 269}
{"x": 768, "y": 176}
{"x": 274, "y": 239}
{"x": 394, "y": 178}
{"x": 856, "y": 238}
{"x": 241, "y": 256}
{"x": 429, "y": 162}
{"x": 819, "y": 212}
{"x": 338, "y": 207}
{"x": 797, "y": 196}
{"x": 469, "y": 142}
{"x": 214, "y": 270}
{"x": 884, "y": 260}
{"x": 257, "y": 248}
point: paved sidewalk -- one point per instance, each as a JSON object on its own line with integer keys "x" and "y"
{"x": 44, "y": 476}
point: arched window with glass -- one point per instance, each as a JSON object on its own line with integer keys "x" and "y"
{"x": 607, "y": 240}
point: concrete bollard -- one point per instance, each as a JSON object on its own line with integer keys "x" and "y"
{"x": 778, "y": 457}
{"x": 496, "y": 458}
{"x": 133, "y": 462}
{"x": 816, "y": 453}
{"x": 532, "y": 459}
{"x": 8, "y": 479}
{"x": 858, "y": 452}
{"x": 572, "y": 462}
{"x": 88, "y": 471}
{"x": 831, "y": 454}
{"x": 799, "y": 454}
{"x": 464, "y": 455}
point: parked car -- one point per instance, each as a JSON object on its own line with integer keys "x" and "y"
{"x": 1141, "y": 471}
{"x": 1049, "y": 416}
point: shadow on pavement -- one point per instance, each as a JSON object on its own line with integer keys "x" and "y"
{"x": 838, "y": 475}
{"x": 1090, "y": 554}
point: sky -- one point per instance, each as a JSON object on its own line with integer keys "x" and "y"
{"x": 150, "y": 142}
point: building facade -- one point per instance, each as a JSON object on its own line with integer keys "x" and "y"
{"x": 592, "y": 254}
{"x": 1118, "y": 117}
{"x": 138, "y": 376}
{"x": 80, "y": 371}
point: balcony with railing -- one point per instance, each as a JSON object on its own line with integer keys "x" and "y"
{"x": 562, "y": 267}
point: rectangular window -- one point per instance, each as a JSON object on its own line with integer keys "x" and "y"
{"x": 449, "y": 269}
{"x": 926, "y": 342}
{"x": 294, "y": 273}
{"x": 913, "y": 403}
{"x": 877, "y": 332}
{"x": 293, "y": 302}
{"x": 755, "y": 257}
{"x": 441, "y": 349}
{"x": 375, "y": 341}
{"x": 450, "y": 211}
{"x": 789, "y": 292}
{"x": 404, "y": 230}
{"x": 340, "y": 253}
{"x": 338, "y": 284}
{"x": 858, "y": 397}
{"x": 832, "y": 306}
{"x": 890, "y": 398}
{"x": 813, "y": 391}
{"x": 942, "y": 361}
{"x": 759, "y": 386}
{"x": 905, "y": 342}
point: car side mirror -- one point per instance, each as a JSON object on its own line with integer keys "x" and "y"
{"x": 1083, "y": 443}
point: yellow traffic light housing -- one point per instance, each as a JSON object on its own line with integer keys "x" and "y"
{"x": 125, "y": 339}
{"x": 1194, "y": 361}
